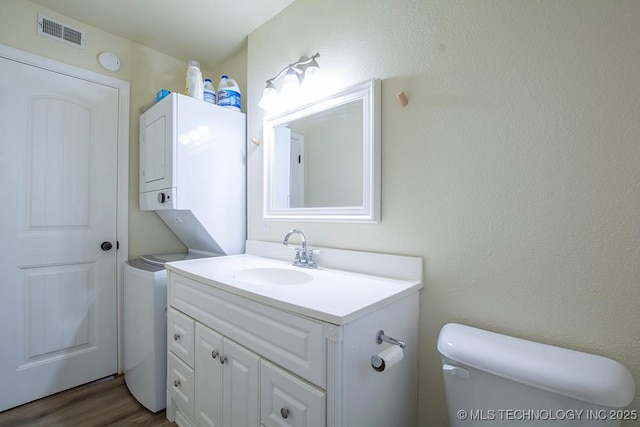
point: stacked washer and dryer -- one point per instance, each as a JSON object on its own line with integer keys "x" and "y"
{"x": 192, "y": 174}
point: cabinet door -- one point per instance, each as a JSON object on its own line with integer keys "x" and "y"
{"x": 240, "y": 386}
{"x": 286, "y": 400}
{"x": 208, "y": 401}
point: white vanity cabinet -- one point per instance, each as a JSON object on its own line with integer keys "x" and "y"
{"x": 237, "y": 360}
{"x": 214, "y": 381}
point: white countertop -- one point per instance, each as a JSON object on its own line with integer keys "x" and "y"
{"x": 334, "y": 296}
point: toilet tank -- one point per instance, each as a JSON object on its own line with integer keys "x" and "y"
{"x": 493, "y": 379}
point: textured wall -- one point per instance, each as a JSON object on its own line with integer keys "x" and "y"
{"x": 514, "y": 170}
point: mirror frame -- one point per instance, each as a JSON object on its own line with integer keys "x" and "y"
{"x": 367, "y": 91}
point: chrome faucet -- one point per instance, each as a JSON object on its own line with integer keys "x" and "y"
{"x": 304, "y": 255}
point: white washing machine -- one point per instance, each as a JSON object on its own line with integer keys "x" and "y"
{"x": 145, "y": 327}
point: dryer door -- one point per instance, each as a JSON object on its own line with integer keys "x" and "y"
{"x": 156, "y": 146}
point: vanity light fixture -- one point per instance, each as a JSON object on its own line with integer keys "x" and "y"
{"x": 304, "y": 71}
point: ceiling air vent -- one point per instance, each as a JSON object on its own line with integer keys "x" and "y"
{"x": 58, "y": 31}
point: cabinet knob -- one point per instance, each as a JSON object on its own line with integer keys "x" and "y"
{"x": 176, "y": 337}
{"x": 285, "y": 413}
{"x": 214, "y": 354}
{"x": 223, "y": 359}
{"x": 176, "y": 383}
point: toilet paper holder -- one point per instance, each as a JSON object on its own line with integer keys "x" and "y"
{"x": 390, "y": 356}
{"x": 381, "y": 337}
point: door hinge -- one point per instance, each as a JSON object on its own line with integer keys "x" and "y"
{"x": 117, "y": 244}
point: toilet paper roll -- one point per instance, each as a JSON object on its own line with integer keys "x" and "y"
{"x": 387, "y": 358}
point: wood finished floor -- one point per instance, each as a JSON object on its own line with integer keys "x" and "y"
{"x": 104, "y": 403}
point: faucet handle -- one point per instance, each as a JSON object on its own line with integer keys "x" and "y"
{"x": 310, "y": 252}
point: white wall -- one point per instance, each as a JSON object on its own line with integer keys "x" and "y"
{"x": 514, "y": 170}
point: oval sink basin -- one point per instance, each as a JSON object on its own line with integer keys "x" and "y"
{"x": 273, "y": 276}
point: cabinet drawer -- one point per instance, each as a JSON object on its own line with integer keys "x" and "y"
{"x": 180, "y": 383}
{"x": 180, "y": 333}
{"x": 294, "y": 342}
{"x": 288, "y": 401}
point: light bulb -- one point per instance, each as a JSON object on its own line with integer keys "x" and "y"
{"x": 290, "y": 86}
{"x": 269, "y": 97}
{"x": 290, "y": 80}
{"x": 311, "y": 87}
{"x": 312, "y": 73}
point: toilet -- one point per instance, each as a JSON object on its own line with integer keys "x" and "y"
{"x": 496, "y": 380}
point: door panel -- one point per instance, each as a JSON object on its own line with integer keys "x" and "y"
{"x": 296, "y": 180}
{"x": 157, "y": 135}
{"x": 240, "y": 407}
{"x": 54, "y": 301}
{"x": 59, "y": 175}
{"x": 209, "y": 379}
{"x": 154, "y": 158}
{"x": 58, "y": 167}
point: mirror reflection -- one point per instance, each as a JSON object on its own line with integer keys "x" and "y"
{"x": 318, "y": 159}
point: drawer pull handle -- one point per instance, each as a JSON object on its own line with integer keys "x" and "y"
{"x": 176, "y": 337}
{"x": 176, "y": 383}
{"x": 285, "y": 413}
{"x": 223, "y": 359}
{"x": 214, "y": 354}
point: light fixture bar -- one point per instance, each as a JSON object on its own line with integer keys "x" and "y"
{"x": 302, "y": 61}
{"x": 293, "y": 75}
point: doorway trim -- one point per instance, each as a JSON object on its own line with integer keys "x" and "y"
{"x": 122, "y": 197}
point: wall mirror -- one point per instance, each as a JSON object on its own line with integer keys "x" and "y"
{"x": 322, "y": 160}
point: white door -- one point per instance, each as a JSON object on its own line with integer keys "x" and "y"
{"x": 281, "y": 174}
{"x": 288, "y": 178}
{"x": 58, "y": 169}
{"x": 296, "y": 178}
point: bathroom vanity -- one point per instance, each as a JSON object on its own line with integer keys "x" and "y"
{"x": 253, "y": 340}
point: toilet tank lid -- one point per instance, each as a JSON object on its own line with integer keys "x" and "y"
{"x": 582, "y": 376}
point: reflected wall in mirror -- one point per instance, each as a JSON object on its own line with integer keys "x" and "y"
{"x": 322, "y": 160}
{"x": 304, "y": 148}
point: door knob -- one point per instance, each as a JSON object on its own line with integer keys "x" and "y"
{"x": 106, "y": 246}
{"x": 284, "y": 412}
